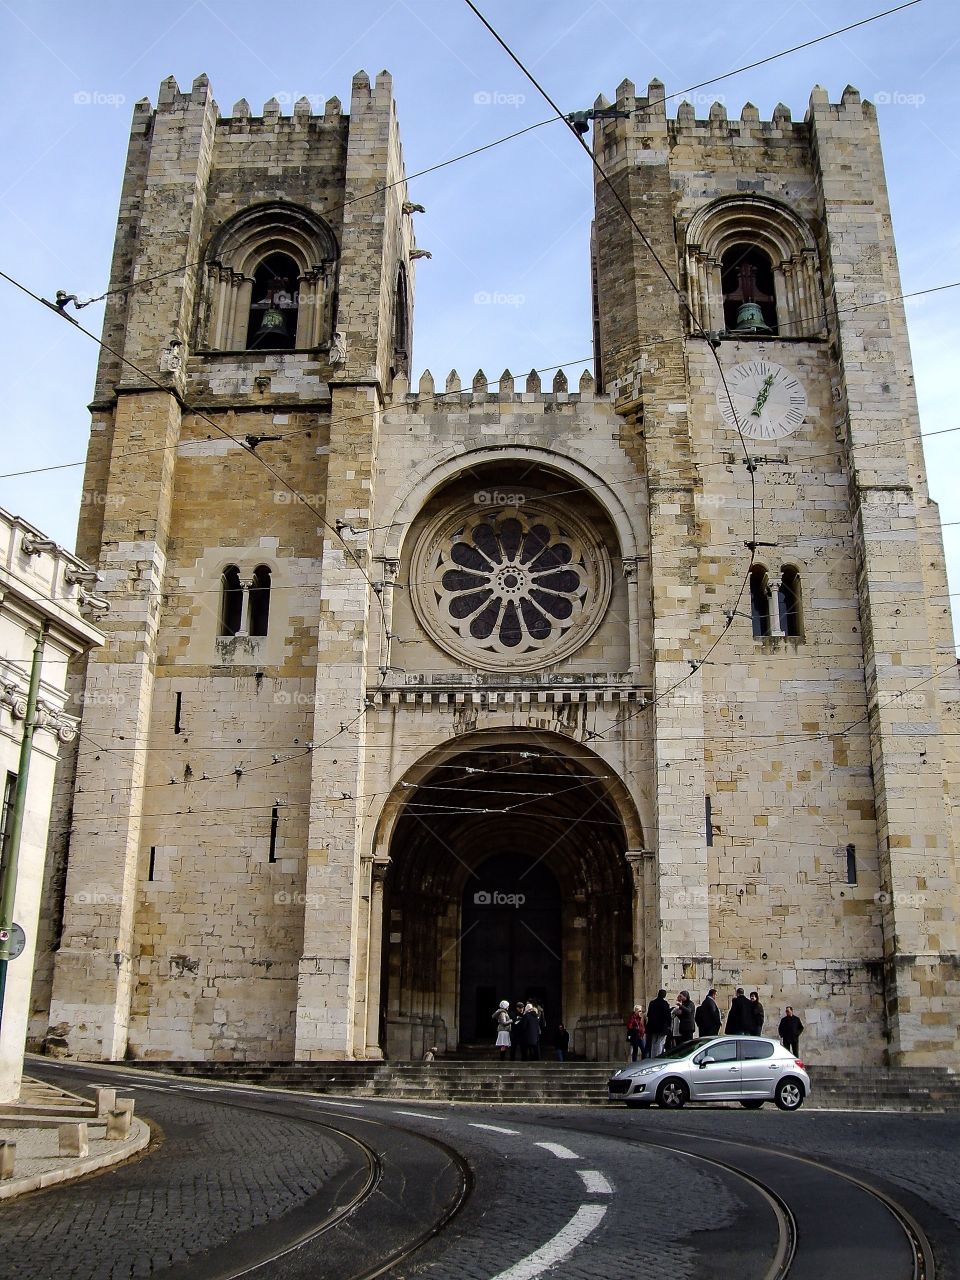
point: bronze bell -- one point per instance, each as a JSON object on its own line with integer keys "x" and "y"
{"x": 750, "y": 319}
{"x": 273, "y": 324}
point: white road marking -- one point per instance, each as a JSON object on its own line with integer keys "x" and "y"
{"x": 595, "y": 1182}
{"x": 332, "y": 1102}
{"x": 555, "y": 1149}
{"x": 419, "y": 1115}
{"x": 587, "y": 1218}
{"x": 494, "y": 1128}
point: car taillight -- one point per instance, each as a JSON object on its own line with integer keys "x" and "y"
{"x": 798, "y": 1063}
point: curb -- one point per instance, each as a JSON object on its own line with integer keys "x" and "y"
{"x": 137, "y": 1141}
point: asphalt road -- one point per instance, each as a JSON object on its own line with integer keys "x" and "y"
{"x": 263, "y": 1184}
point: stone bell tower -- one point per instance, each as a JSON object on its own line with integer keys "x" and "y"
{"x": 270, "y": 308}
{"x": 821, "y": 729}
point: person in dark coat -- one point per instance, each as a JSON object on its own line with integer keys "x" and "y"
{"x": 516, "y": 1049}
{"x": 658, "y": 1024}
{"x": 789, "y": 1031}
{"x": 530, "y": 1034}
{"x": 686, "y": 1019}
{"x": 739, "y": 1019}
{"x": 755, "y": 1020}
{"x": 561, "y": 1043}
{"x": 708, "y": 1017}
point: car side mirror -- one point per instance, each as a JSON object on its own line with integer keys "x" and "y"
{"x": 706, "y": 1062}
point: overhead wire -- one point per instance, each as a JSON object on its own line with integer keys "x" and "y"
{"x": 292, "y": 490}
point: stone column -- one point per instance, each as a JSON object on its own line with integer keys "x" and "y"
{"x": 642, "y": 864}
{"x": 378, "y": 875}
{"x": 630, "y": 568}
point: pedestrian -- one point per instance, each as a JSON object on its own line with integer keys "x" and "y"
{"x": 530, "y": 1034}
{"x": 636, "y": 1032}
{"x": 658, "y": 1023}
{"x": 789, "y": 1031}
{"x": 755, "y": 1022}
{"x": 708, "y": 1017}
{"x": 686, "y": 1019}
{"x": 431, "y": 1054}
{"x": 503, "y": 1023}
{"x": 739, "y": 1019}
{"x": 561, "y": 1043}
{"x": 516, "y": 1049}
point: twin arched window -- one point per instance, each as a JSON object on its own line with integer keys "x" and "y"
{"x": 271, "y": 277}
{"x": 776, "y": 608}
{"x": 752, "y": 257}
{"x": 244, "y": 606}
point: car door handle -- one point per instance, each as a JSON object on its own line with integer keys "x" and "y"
{"x": 733, "y": 1068}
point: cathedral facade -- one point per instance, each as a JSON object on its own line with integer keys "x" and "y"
{"x": 414, "y": 698}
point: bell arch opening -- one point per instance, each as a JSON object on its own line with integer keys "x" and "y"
{"x": 508, "y": 879}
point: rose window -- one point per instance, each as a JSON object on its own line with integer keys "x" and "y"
{"x": 512, "y": 588}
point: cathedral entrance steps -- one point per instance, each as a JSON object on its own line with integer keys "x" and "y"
{"x": 564, "y": 1083}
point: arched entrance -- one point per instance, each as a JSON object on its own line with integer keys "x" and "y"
{"x": 475, "y": 833}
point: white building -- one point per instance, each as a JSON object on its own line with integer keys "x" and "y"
{"x": 42, "y": 587}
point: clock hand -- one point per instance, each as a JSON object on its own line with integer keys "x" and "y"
{"x": 762, "y": 397}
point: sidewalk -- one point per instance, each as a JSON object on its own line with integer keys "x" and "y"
{"x": 33, "y": 1121}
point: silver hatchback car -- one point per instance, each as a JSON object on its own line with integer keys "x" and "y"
{"x": 750, "y": 1070}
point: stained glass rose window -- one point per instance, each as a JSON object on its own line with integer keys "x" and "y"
{"x": 510, "y": 585}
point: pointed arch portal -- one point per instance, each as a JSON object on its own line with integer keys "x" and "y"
{"x": 508, "y": 880}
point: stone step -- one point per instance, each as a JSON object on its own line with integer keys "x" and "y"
{"x": 555, "y": 1083}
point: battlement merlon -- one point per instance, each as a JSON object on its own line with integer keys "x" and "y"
{"x": 648, "y": 115}
{"x": 492, "y": 393}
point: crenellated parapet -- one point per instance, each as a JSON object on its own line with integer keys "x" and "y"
{"x": 500, "y": 391}
{"x": 649, "y": 114}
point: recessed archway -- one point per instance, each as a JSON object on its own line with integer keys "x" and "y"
{"x": 472, "y": 830}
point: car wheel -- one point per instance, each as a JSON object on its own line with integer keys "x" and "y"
{"x": 752, "y": 1104}
{"x": 672, "y": 1094}
{"x": 635, "y": 1104}
{"x": 789, "y": 1095}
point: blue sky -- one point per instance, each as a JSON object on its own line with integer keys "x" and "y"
{"x": 513, "y": 222}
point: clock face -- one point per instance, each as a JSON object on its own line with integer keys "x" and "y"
{"x": 768, "y": 401}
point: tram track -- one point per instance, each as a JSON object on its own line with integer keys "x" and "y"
{"x": 791, "y": 1184}
{"x": 924, "y": 1265}
{"x": 291, "y": 1257}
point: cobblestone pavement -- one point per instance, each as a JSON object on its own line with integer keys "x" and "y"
{"x": 215, "y": 1173}
{"x": 541, "y": 1175}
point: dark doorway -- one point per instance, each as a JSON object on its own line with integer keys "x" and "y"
{"x": 511, "y": 943}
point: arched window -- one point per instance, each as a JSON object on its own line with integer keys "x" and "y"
{"x": 760, "y": 600}
{"x": 740, "y": 246}
{"x": 790, "y": 602}
{"x": 401, "y": 325}
{"x": 271, "y": 279}
{"x": 746, "y": 277}
{"x": 260, "y": 600}
{"x": 231, "y": 601}
{"x": 274, "y": 304}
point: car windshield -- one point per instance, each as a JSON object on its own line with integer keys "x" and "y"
{"x": 682, "y": 1050}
